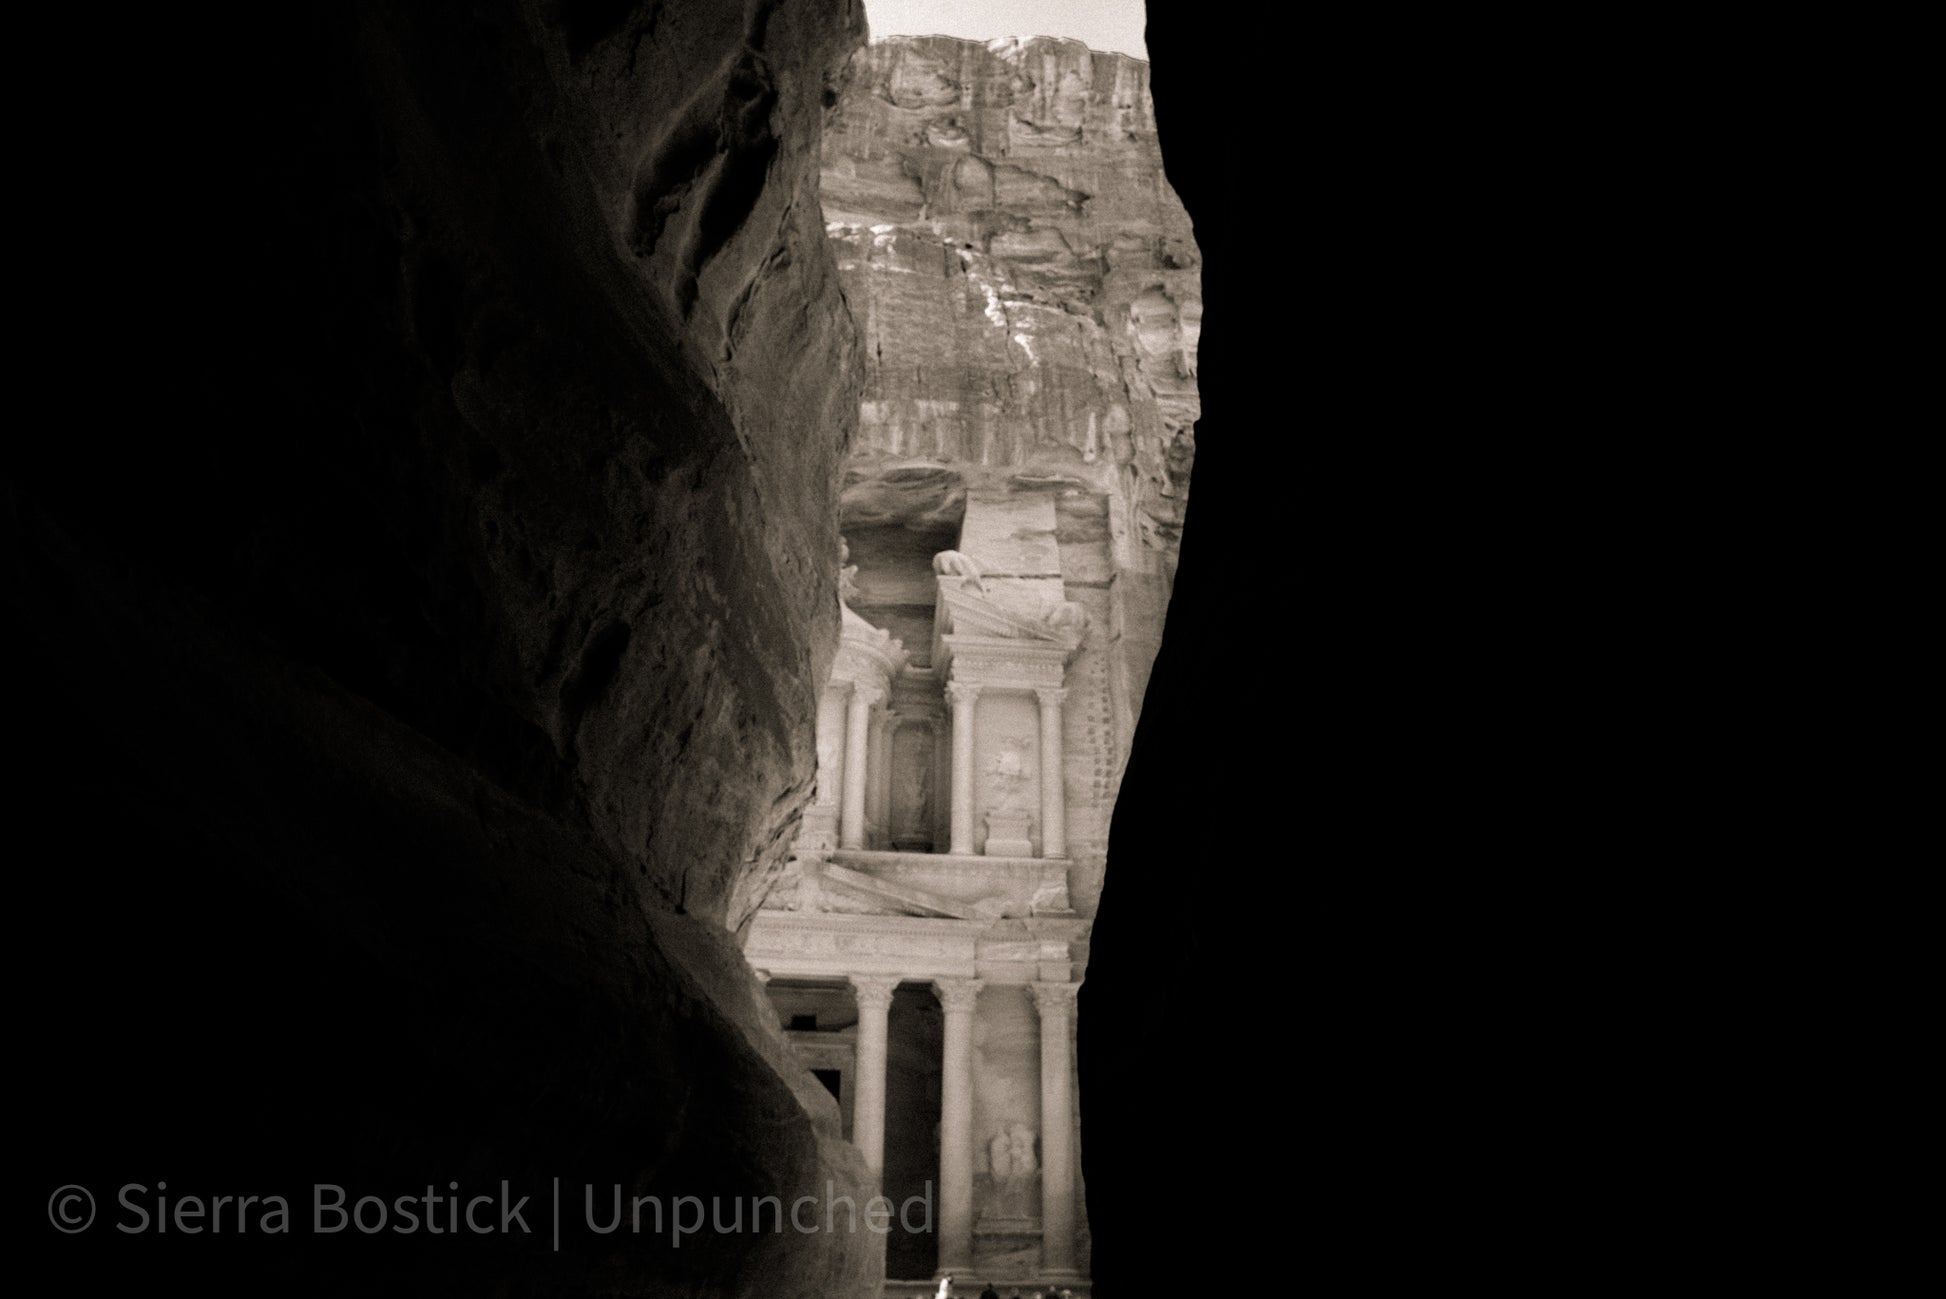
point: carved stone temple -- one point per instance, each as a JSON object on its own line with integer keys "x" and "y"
{"x": 1027, "y": 289}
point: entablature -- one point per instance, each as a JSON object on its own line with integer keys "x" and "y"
{"x": 995, "y": 663}
{"x": 791, "y": 945}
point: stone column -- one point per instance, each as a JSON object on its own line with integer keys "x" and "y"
{"x": 874, "y": 758}
{"x": 1055, "y": 1001}
{"x": 874, "y": 993}
{"x": 858, "y": 721}
{"x": 963, "y": 697}
{"x": 1054, "y": 800}
{"x": 957, "y": 998}
{"x": 881, "y": 782}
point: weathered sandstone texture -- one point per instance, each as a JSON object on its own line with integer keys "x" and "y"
{"x": 1029, "y": 294}
{"x": 425, "y": 595}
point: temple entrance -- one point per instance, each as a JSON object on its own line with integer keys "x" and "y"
{"x": 820, "y": 1019}
{"x": 933, "y": 866}
{"x": 821, "y": 1023}
{"x": 912, "y": 1096}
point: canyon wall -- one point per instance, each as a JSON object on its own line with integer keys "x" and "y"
{"x": 1028, "y": 290}
{"x": 425, "y": 590}
{"x": 1195, "y": 1173}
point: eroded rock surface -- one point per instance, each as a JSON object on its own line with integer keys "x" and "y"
{"x": 1026, "y": 280}
{"x": 425, "y": 617}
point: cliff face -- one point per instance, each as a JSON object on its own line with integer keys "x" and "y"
{"x": 426, "y": 629}
{"x": 1029, "y": 294}
{"x": 1026, "y": 280}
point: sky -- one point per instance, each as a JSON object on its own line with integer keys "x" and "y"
{"x": 1099, "y": 24}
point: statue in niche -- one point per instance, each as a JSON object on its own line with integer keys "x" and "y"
{"x": 1010, "y": 1156}
{"x": 1000, "y": 1155}
{"x": 914, "y": 800}
{"x": 951, "y": 563}
{"x": 1007, "y": 773}
{"x": 1021, "y": 1138}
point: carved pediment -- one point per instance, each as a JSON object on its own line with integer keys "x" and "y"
{"x": 964, "y": 612}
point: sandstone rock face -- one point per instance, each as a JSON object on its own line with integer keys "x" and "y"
{"x": 1026, "y": 280}
{"x": 426, "y": 634}
{"x": 1029, "y": 294}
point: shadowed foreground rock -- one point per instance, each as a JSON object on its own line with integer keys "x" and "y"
{"x": 424, "y": 601}
{"x": 1201, "y": 1175}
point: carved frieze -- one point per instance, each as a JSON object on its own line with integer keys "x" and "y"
{"x": 997, "y": 663}
{"x": 800, "y": 945}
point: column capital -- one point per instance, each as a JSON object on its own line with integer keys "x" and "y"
{"x": 958, "y": 994}
{"x": 873, "y": 991}
{"x": 763, "y": 976}
{"x": 1055, "y": 998}
{"x": 961, "y": 692}
{"x": 867, "y": 692}
{"x": 1052, "y": 696}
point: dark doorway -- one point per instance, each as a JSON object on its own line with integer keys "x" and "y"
{"x": 915, "y": 1043}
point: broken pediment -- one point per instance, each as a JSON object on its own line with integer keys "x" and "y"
{"x": 866, "y": 652}
{"x": 920, "y": 884}
{"x": 968, "y": 612}
{"x": 1027, "y": 622}
{"x": 840, "y": 883}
